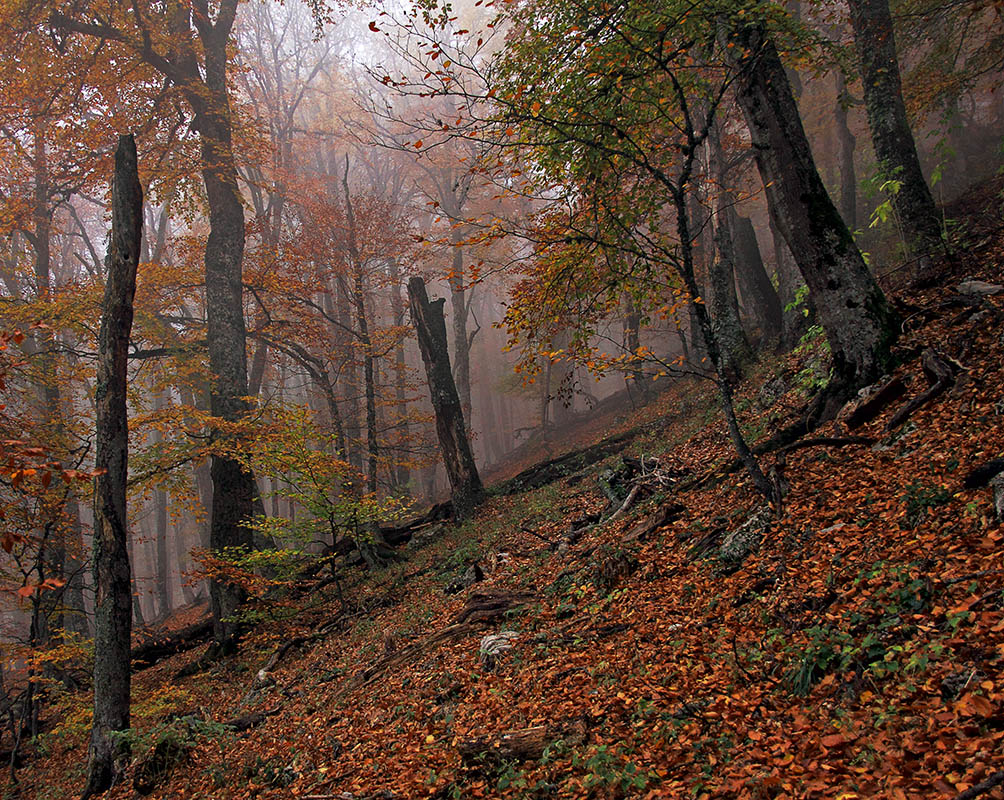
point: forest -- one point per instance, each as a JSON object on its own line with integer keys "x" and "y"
{"x": 501, "y": 398}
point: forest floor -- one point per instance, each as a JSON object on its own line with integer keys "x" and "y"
{"x": 855, "y": 651}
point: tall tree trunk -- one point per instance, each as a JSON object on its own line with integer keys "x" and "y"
{"x": 372, "y": 550}
{"x": 895, "y": 148}
{"x": 160, "y": 529}
{"x": 699, "y": 313}
{"x": 758, "y": 292}
{"x": 400, "y": 375}
{"x": 735, "y": 349}
{"x": 851, "y": 307}
{"x": 75, "y": 619}
{"x": 52, "y": 551}
{"x": 846, "y": 144}
{"x": 795, "y": 320}
{"x": 430, "y": 326}
{"x": 113, "y": 601}
{"x": 460, "y": 303}
{"x": 233, "y": 485}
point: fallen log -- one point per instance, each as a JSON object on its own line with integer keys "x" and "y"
{"x": 562, "y": 466}
{"x": 397, "y": 535}
{"x": 248, "y": 721}
{"x": 526, "y": 744}
{"x": 983, "y": 474}
{"x": 405, "y": 654}
{"x": 662, "y": 516}
{"x": 485, "y": 607}
{"x": 146, "y": 654}
{"x": 982, "y": 787}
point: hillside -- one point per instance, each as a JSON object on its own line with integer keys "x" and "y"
{"x": 849, "y": 645}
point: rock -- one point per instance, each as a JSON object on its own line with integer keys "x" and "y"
{"x": 772, "y": 391}
{"x": 997, "y": 482}
{"x": 171, "y": 749}
{"x": 979, "y": 288}
{"x": 740, "y": 543}
{"x": 954, "y": 685}
{"x": 473, "y": 574}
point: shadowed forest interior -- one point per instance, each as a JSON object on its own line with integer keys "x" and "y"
{"x": 338, "y": 338}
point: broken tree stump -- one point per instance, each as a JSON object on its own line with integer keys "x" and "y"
{"x": 430, "y": 325}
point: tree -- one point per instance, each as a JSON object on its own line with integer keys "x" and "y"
{"x": 188, "y": 46}
{"x": 430, "y": 326}
{"x": 852, "y": 309}
{"x": 895, "y": 149}
{"x": 113, "y": 589}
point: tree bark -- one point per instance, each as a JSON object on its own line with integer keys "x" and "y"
{"x": 430, "y": 326}
{"x": 895, "y": 148}
{"x": 852, "y": 308}
{"x": 113, "y": 596}
{"x": 400, "y": 376}
{"x": 460, "y": 303}
{"x": 733, "y": 345}
{"x": 233, "y": 486}
{"x": 758, "y": 292}
{"x": 846, "y": 144}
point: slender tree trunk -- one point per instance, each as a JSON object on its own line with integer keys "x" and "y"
{"x": 734, "y": 347}
{"x": 851, "y": 307}
{"x": 160, "y": 529}
{"x": 634, "y": 379}
{"x": 430, "y": 325}
{"x": 52, "y": 551}
{"x": 400, "y": 374}
{"x": 846, "y": 144}
{"x": 113, "y": 602}
{"x": 76, "y": 615}
{"x": 895, "y": 148}
{"x": 700, "y": 313}
{"x": 789, "y": 281}
{"x": 758, "y": 292}
{"x": 461, "y": 306}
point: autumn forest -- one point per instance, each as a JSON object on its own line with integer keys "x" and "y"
{"x": 501, "y": 398}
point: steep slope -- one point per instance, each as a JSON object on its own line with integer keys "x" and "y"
{"x": 849, "y": 645}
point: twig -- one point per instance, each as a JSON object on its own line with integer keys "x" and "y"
{"x": 626, "y": 505}
{"x": 982, "y": 787}
{"x": 540, "y": 536}
{"x": 971, "y": 576}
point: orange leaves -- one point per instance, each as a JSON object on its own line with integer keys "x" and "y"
{"x": 975, "y": 705}
{"x": 48, "y": 584}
